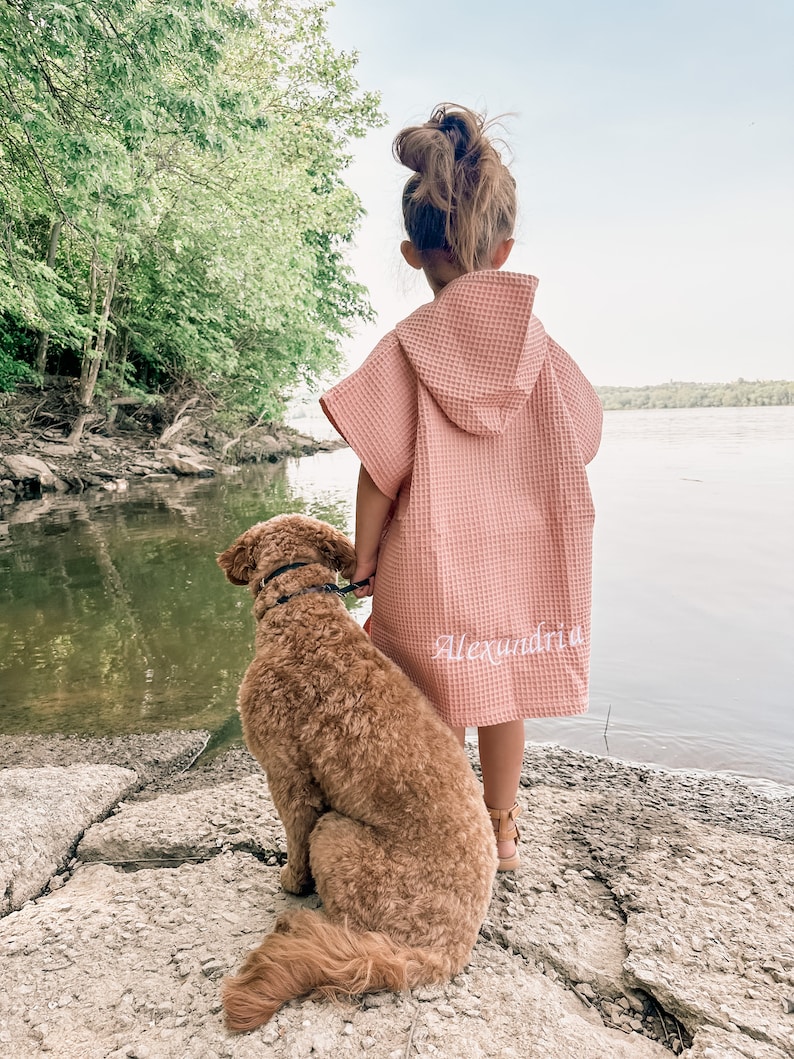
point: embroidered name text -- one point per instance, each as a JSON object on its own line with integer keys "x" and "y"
{"x": 462, "y": 648}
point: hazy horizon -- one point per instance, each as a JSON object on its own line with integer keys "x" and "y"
{"x": 693, "y": 382}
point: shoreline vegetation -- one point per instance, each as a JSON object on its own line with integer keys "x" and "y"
{"x": 741, "y": 393}
{"x": 186, "y": 432}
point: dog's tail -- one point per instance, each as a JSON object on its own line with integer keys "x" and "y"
{"x": 307, "y": 954}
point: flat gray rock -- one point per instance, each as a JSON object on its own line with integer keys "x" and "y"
{"x": 189, "y": 826}
{"x": 186, "y": 466}
{"x": 66, "y": 785}
{"x": 652, "y": 915}
{"x": 24, "y": 468}
{"x": 698, "y": 920}
{"x": 27, "y": 467}
{"x": 712, "y": 1043}
{"x": 740, "y": 804}
{"x": 152, "y": 755}
{"x": 44, "y": 811}
{"x": 710, "y": 928}
{"x": 611, "y": 895}
{"x": 163, "y": 939}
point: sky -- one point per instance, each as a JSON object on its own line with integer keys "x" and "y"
{"x": 653, "y": 148}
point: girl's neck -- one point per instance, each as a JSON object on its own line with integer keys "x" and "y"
{"x": 439, "y": 271}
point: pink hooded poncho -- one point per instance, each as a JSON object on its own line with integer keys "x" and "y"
{"x": 479, "y": 426}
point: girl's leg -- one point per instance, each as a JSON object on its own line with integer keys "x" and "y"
{"x": 501, "y": 748}
{"x": 460, "y": 735}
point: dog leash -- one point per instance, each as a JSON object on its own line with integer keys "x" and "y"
{"x": 329, "y": 587}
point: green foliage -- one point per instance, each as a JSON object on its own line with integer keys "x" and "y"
{"x": 12, "y": 372}
{"x": 13, "y": 342}
{"x": 13, "y": 367}
{"x": 192, "y": 152}
{"x": 697, "y": 394}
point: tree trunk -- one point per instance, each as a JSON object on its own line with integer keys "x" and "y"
{"x": 44, "y": 336}
{"x": 92, "y": 357}
{"x": 122, "y": 364}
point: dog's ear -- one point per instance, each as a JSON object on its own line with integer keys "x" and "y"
{"x": 238, "y": 562}
{"x": 337, "y": 549}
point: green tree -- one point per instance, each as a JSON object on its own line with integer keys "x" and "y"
{"x": 172, "y": 203}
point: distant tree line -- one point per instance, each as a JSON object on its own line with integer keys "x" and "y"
{"x": 698, "y": 394}
{"x": 172, "y": 208}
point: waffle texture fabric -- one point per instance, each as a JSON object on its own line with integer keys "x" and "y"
{"x": 479, "y": 426}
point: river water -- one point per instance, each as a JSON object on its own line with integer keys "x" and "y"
{"x": 115, "y": 618}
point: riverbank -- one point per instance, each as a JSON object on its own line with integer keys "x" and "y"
{"x": 37, "y": 458}
{"x": 652, "y": 914}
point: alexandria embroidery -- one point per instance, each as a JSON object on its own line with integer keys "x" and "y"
{"x": 463, "y": 648}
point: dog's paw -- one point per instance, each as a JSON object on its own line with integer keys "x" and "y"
{"x": 294, "y": 884}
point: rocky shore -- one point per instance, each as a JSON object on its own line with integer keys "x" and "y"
{"x": 38, "y": 461}
{"x": 653, "y": 914}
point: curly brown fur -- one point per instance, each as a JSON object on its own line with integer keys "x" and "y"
{"x": 382, "y": 812}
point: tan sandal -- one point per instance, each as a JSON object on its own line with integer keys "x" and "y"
{"x": 504, "y": 825}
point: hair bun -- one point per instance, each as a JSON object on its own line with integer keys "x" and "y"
{"x": 451, "y": 132}
{"x": 459, "y": 133}
{"x": 461, "y": 196}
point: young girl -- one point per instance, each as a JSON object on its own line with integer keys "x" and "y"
{"x": 474, "y": 517}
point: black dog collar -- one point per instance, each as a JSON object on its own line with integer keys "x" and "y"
{"x": 329, "y": 587}
{"x": 281, "y": 570}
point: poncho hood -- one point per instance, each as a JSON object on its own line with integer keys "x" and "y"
{"x": 477, "y": 348}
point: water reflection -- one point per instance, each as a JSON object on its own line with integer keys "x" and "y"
{"x": 115, "y": 615}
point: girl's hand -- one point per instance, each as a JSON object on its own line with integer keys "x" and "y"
{"x": 364, "y": 572}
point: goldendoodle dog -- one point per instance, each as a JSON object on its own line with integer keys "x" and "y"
{"x": 382, "y": 812}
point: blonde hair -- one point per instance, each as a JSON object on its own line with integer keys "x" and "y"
{"x": 461, "y": 198}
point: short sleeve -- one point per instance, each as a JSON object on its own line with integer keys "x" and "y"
{"x": 581, "y": 400}
{"x": 375, "y": 411}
